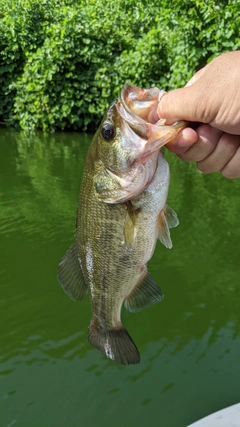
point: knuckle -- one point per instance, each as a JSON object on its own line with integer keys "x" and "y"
{"x": 184, "y": 158}
{"x": 226, "y": 174}
{"x": 192, "y": 155}
{"x": 230, "y": 141}
{"x": 205, "y": 167}
{"x": 202, "y": 167}
{"x": 229, "y": 173}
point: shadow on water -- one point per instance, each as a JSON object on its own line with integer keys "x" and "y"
{"x": 188, "y": 343}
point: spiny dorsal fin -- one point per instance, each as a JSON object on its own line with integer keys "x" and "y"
{"x": 130, "y": 225}
{"x": 163, "y": 231}
{"x": 146, "y": 293}
{"x": 170, "y": 216}
{"x": 70, "y": 275}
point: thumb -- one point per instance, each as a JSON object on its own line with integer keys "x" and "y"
{"x": 180, "y": 104}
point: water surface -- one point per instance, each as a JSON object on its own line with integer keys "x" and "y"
{"x": 189, "y": 343}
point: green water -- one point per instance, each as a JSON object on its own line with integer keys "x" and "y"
{"x": 189, "y": 343}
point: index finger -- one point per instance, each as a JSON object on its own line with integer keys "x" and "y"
{"x": 185, "y": 139}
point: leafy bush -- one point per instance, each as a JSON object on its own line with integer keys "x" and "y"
{"x": 63, "y": 61}
{"x": 22, "y": 30}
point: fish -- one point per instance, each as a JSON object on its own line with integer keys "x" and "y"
{"x": 121, "y": 214}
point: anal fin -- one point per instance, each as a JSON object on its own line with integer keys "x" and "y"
{"x": 145, "y": 294}
{"x": 70, "y": 275}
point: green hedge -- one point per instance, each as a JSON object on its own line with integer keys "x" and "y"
{"x": 63, "y": 62}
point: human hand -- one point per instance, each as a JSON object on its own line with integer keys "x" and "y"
{"x": 212, "y": 98}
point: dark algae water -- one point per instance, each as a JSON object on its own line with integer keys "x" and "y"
{"x": 189, "y": 343}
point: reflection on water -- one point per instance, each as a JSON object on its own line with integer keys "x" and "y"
{"x": 188, "y": 343}
{"x": 45, "y": 173}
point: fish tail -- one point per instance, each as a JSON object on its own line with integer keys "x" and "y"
{"x": 116, "y": 344}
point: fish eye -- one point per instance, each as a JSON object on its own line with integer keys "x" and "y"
{"x": 108, "y": 132}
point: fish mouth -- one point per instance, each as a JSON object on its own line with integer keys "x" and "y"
{"x": 140, "y": 102}
{"x": 134, "y": 106}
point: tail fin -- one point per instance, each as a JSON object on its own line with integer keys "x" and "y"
{"x": 116, "y": 344}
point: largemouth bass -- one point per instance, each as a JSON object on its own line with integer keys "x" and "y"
{"x": 121, "y": 213}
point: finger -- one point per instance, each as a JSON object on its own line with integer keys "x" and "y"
{"x": 208, "y": 138}
{"x": 223, "y": 153}
{"x": 196, "y": 76}
{"x": 153, "y": 116}
{"x": 232, "y": 168}
{"x": 180, "y": 104}
{"x": 185, "y": 139}
{"x": 163, "y": 110}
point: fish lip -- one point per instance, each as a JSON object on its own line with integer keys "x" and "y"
{"x": 152, "y": 135}
{"x": 128, "y": 89}
{"x": 125, "y": 106}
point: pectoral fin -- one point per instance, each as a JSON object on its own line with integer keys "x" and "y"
{"x": 70, "y": 275}
{"x": 146, "y": 293}
{"x": 166, "y": 219}
{"x": 163, "y": 231}
{"x": 171, "y": 217}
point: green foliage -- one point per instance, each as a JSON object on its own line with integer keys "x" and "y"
{"x": 63, "y": 61}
